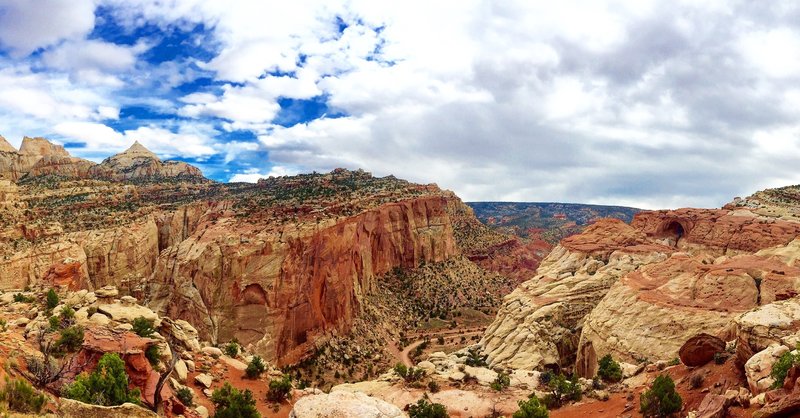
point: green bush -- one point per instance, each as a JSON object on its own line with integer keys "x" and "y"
{"x": 532, "y": 408}
{"x": 71, "y": 339}
{"x": 562, "y": 390}
{"x": 255, "y": 368}
{"x": 476, "y": 359}
{"x": 51, "y": 300}
{"x": 231, "y": 349}
{"x": 3, "y": 325}
{"x": 107, "y": 385}
{"x": 230, "y": 402}
{"x": 19, "y": 297}
{"x": 425, "y": 409}
{"x": 661, "y": 400}
{"x": 409, "y": 374}
{"x": 153, "y": 355}
{"x": 67, "y": 316}
{"x": 143, "y": 327}
{"x": 609, "y": 369}
{"x": 279, "y": 389}
{"x": 781, "y": 368}
{"x": 54, "y": 322}
{"x": 501, "y": 382}
{"x": 433, "y": 387}
{"x": 185, "y": 395}
{"x": 22, "y": 397}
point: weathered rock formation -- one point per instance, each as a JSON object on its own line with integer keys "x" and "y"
{"x": 685, "y": 272}
{"x": 137, "y": 162}
{"x": 280, "y": 289}
{"x": 343, "y": 404}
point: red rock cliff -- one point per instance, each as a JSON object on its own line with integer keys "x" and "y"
{"x": 280, "y": 289}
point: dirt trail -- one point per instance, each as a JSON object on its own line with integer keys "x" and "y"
{"x": 404, "y": 355}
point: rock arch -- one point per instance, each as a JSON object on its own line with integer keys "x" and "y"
{"x": 674, "y": 231}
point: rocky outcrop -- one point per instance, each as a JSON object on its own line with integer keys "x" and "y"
{"x": 69, "y": 408}
{"x": 343, "y": 404}
{"x": 64, "y": 166}
{"x": 5, "y": 146}
{"x": 651, "y": 312}
{"x": 758, "y": 368}
{"x": 137, "y": 162}
{"x": 727, "y": 232}
{"x": 539, "y": 323}
{"x": 700, "y": 350}
{"x": 280, "y": 289}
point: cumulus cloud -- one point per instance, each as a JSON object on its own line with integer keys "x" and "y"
{"x": 633, "y": 102}
{"x": 27, "y": 25}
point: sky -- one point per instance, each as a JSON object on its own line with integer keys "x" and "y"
{"x": 653, "y": 104}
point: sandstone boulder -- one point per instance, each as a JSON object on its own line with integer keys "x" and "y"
{"x": 700, "y": 349}
{"x": 342, "y": 404}
{"x": 212, "y": 351}
{"x": 758, "y": 368}
{"x": 69, "y": 408}
{"x": 713, "y": 406}
{"x": 204, "y": 379}
{"x": 127, "y": 312}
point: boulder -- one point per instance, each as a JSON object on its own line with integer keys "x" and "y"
{"x": 69, "y": 408}
{"x": 344, "y": 404}
{"x": 202, "y": 411}
{"x": 107, "y": 292}
{"x": 204, "y": 379}
{"x": 126, "y": 312}
{"x": 234, "y": 363}
{"x": 758, "y": 368}
{"x": 99, "y": 319}
{"x": 181, "y": 371}
{"x": 212, "y": 351}
{"x": 713, "y": 406}
{"x": 700, "y": 349}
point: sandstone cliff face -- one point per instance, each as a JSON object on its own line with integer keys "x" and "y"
{"x": 539, "y": 323}
{"x": 65, "y": 166}
{"x": 279, "y": 290}
{"x": 687, "y": 272}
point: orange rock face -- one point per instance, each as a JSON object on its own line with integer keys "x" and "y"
{"x": 718, "y": 229}
{"x": 280, "y": 290}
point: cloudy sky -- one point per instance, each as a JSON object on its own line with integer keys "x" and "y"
{"x": 649, "y": 104}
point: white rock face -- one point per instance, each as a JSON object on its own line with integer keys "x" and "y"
{"x": 181, "y": 371}
{"x": 212, "y": 351}
{"x": 343, "y": 404}
{"x": 759, "y": 367}
{"x": 204, "y": 380}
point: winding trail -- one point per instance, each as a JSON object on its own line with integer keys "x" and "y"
{"x": 404, "y": 355}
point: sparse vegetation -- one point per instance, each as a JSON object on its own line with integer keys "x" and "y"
{"x": 231, "y": 349}
{"x": 781, "y": 368}
{"x": 609, "y": 370}
{"x": 696, "y": 380}
{"x": 143, "y": 327}
{"x": 19, "y": 297}
{"x": 426, "y": 409}
{"x": 409, "y": 374}
{"x": 51, "y": 300}
{"x": 475, "y": 358}
{"x": 433, "y": 386}
{"x": 720, "y": 358}
{"x": 22, "y": 397}
{"x": 255, "y": 368}
{"x": 70, "y": 340}
{"x": 279, "y": 389}
{"x": 532, "y": 408}
{"x": 153, "y": 354}
{"x": 661, "y": 400}
{"x": 501, "y": 382}
{"x": 185, "y": 395}
{"x": 107, "y": 385}
{"x": 562, "y": 390}
{"x": 230, "y": 402}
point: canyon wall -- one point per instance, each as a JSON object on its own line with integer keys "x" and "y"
{"x": 281, "y": 288}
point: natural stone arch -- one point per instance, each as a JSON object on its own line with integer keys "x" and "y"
{"x": 674, "y": 231}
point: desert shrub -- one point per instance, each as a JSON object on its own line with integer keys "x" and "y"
{"x": 501, "y": 382}
{"x": 231, "y": 349}
{"x": 107, "y": 385}
{"x": 185, "y": 395}
{"x": 425, "y": 409}
{"x": 51, "y": 300}
{"x": 91, "y": 311}
{"x": 3, "y": 325}
{"x": 609, "y": 369}
{"x": 22, "y": 397}
{"x": 230, "y": 402}
{"x": 562, "y": 390}
{"x": 532, "y": 408}
{"x": 475, "y": 359}
{"x": 19, "y": 297}
{"x": 54, "y": 323}
{"x": 67, "y": 316}
{"x": 143, "y": 327}
{"x": 71, "y": 339}
{"x": 153, "y": 354}
{"x": 696, "y": 380}
{"x": 781, "y": 368}
{"x": 279, "y": 389}
{"x": 433, "y": 387}
{"x": 255, "y": 368}
{"x": 661, "y": 400}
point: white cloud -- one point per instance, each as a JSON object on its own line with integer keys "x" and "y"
{"x": 28, "y": 25}
{"x": 92, "y": 55}
{"x": 253, "y": 175}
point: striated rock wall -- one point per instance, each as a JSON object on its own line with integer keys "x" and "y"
{"x": 281, "y": 289}
{"x": 539, "y": 322}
